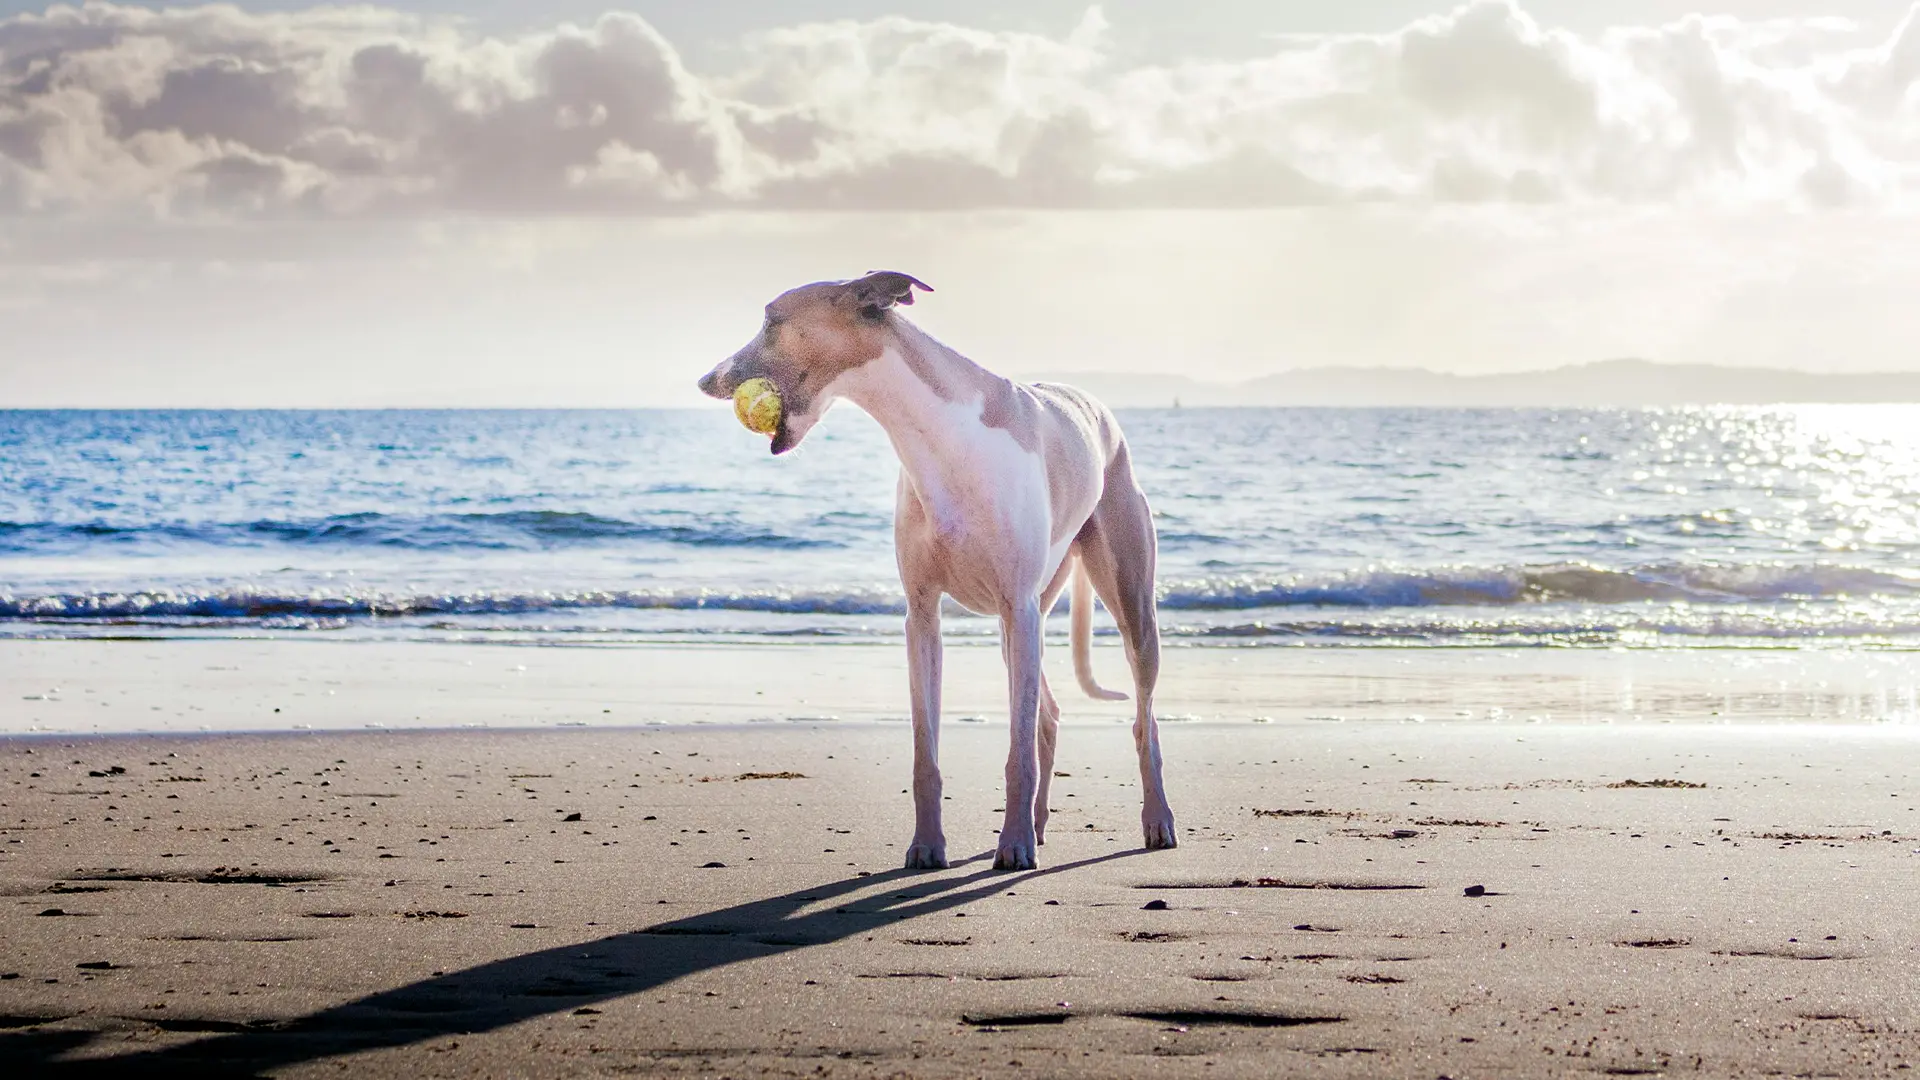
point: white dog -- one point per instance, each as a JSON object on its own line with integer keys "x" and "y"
{"x": 1006, "y": 490}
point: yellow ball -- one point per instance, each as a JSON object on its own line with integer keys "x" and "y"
{"x": 757, "y": 403}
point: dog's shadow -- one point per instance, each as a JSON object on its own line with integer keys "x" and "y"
{"x": 547, "y": 982}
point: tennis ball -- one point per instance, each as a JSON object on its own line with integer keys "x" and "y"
{"x": 757, "y": 403}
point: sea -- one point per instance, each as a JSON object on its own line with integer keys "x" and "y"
{"x": 1792, "y": 527}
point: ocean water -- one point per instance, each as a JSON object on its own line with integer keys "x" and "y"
{"x": 1789, "y": 527}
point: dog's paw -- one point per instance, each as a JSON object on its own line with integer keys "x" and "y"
{"x": 1158, "y": 830}
{"x": 927, "y": 857}
{"x": 1015, "y": 855}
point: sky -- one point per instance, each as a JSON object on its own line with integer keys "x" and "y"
{"x": 505, "y": 202}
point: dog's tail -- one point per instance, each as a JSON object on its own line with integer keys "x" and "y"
{"x": 1082, "y": 635}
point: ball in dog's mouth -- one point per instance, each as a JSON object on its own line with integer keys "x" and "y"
{"x": 757, "y": 403}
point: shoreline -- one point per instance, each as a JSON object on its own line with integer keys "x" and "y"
{"x": 81, "y": 687}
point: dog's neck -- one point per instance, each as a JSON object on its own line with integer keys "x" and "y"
{"x": 935, "y": 404}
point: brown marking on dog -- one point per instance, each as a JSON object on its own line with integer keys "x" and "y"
{"x": 1017, "y": 409}
{"x": 1004, "y": 404}
{"x": 814, "y": 334}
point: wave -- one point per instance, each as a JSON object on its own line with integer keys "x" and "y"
{"x": 1522, "y": 629}
{"x": 245, "y": 603}
{"x": 1585, "y": 586}
{"x": 517, "y": 530}
{"x": 1466, "y": 586}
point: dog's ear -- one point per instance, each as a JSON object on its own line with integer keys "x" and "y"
{"x": 882, "y": 289}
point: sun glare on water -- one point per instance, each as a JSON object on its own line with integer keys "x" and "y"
{"x": 1843, "y": 477}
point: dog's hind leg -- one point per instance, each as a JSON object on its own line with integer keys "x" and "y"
{"x": 1117, "y": 547}
{"x": 1049, "y": 737}
{"x": 1049, "y": 733}
{"x": 1020, "y": 642}
{"x": 929, "y": 848}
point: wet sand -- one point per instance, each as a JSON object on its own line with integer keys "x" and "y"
{"x": 727, "y": 902}
{"x": 291, "y": 684}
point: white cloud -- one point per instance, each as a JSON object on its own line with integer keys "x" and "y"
{"x": 213, "y": 112}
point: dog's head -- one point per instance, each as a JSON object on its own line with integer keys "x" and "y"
{"x": 813, "y": 335}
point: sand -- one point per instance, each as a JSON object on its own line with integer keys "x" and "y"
{"x": 727, "y": 901}
{"x": 137, "y": 685}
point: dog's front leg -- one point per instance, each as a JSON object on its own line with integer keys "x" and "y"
{"x": 929, "y": 848}
{"x": 1020, "y": 633}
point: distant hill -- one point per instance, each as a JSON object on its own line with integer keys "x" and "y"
{"x": 1608, "y": 382}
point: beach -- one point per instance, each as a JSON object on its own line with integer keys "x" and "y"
{"x": 472, "y": 478}
{"x": 620, "y": 874}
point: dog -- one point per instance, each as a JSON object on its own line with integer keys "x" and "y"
{"x": 1008, "y": 493}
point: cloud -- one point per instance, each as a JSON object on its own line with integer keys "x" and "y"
{"x": 195, "y": 113}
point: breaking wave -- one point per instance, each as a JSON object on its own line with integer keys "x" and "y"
{"x": 1530, "y": 594}
{"x": 1554, "y": 583}
{"x": 243, "y": 603}
{"x": 518, "y": 530}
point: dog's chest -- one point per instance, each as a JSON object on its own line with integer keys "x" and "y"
{"x": 981, "y": 510}
{"x": 978, "y": 517}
